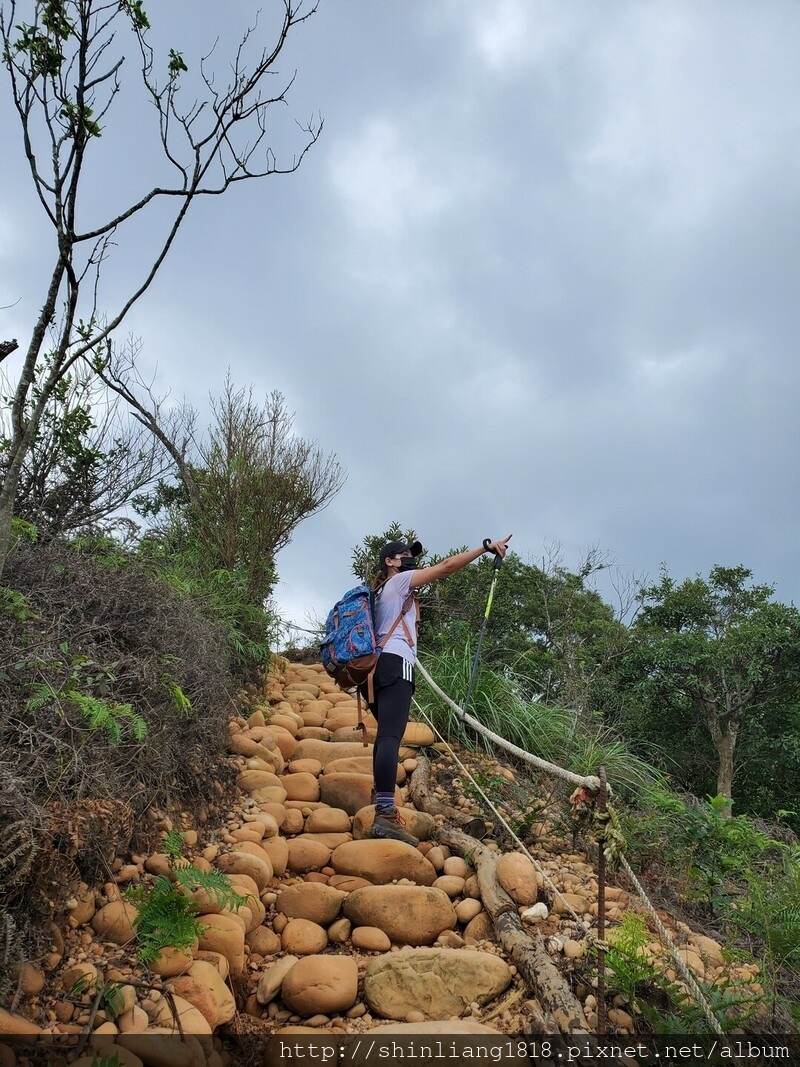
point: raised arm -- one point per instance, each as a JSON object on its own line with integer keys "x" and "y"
{"x": 456, "y": 562}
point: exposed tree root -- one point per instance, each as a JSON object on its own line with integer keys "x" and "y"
{"x": 421, "y": 795}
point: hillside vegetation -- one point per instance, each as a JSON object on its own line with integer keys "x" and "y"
{"x": 119, "y": 685}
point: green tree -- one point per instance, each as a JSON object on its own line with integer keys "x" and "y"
{"x": 765, "y": 789}
{"x": 245, "y": 485}
{"x": 710, "y": 657}
{"x": 255, "y": 481}
{"x": 65, "y": 60}
{"x": 366, "y": 556}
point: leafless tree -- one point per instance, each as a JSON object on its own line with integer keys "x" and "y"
{"x": 65, "y": 60}
{"x": 173, "y": 426}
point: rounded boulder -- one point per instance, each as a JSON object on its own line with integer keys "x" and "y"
{"x": 441, "y": 982}
{"x": 321, "y": 985}
{"x": 328, "y": 821}
{"x": 259, "y": 868}
{"x": 301, "y": 786}
{"x": 115, "y": 922}
{"x": 381, "y": 861}
{"x": 325, "y": 751}
{"x": 311, "y": 900}
{"x": 225, "y": 935}
{"x": 301, "y": 937}
{"x": 408, "y": 914}
{"x": 306, "y": 855}
{"x": 518, "y": 876}
{"x": 350, "y": 792}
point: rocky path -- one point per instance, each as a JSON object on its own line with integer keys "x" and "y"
{"x": 340, "y": 934}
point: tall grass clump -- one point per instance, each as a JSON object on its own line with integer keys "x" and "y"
{"x": 555, "y": 734}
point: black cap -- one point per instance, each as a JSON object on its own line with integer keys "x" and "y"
{"x": 394, "y": 548}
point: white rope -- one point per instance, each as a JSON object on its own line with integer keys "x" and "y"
{"x": 590, "y": 782}
{"x": 680, "y": 963}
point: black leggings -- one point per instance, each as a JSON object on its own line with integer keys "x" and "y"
{"x": 391, "y": 708}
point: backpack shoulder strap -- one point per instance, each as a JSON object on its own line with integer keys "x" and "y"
{"x": 401, "y": 618}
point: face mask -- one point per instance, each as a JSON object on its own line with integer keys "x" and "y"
{"x": 408, "y": 563}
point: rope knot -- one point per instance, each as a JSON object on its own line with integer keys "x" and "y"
{"x": 609, "y": 835}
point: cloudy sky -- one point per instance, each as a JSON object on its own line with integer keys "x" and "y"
{"x": 539, "y": 275}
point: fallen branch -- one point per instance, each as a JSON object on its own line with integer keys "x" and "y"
{"x": 87, "y": 1030}
{"x": 561, "y": 1007}
{"x": 419, "y": 791}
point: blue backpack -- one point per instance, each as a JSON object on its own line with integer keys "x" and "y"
{"x": 350, "y": 649}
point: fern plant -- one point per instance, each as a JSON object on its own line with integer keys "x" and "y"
{"x": 166, "y": 918}
{"x": 173, "y": 843}
{"x": 100, "y": 715}
{"x": 664, "y": 1002}
{"x": 109, "y": 717}
{"x": 214, "y": 883}
{"x": 167, "y": 915}
{"x": 631, "y": 966}
{"x": 771, "y": 910}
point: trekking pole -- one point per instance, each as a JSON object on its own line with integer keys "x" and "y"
{"x": 498, "y": 559}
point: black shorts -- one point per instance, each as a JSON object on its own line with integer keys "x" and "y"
{"x": 389, "y": 669}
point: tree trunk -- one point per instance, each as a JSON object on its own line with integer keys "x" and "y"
{"x": 7, "y": 494}
{"x": 22, "y": 435}
{"x": 725, "y": 748}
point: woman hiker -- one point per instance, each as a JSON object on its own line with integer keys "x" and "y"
{"x": 393, "y": 681}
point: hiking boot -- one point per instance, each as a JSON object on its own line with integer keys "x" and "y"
{"x": 389, "y": 824}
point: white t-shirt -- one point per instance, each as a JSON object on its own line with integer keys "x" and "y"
{"x": 388, "y": 605}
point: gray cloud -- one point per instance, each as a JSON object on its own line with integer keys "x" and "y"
{"x": 539, "y": 275}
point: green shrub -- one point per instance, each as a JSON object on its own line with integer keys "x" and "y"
{"x": 98, "y": 714}
{"x": 249, "y": 630}
{"x": 662, "y": 1002}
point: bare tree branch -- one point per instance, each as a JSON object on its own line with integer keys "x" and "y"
{"x": 174, "y": 428}
{"x": 65, "y": 63}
